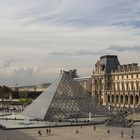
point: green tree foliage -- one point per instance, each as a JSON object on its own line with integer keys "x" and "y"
{"x": 5, "y": 92}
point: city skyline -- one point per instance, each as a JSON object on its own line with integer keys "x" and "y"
{"x": 39, "y": 38}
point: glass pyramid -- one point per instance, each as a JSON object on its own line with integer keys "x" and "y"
{"x": 65, "y": 99}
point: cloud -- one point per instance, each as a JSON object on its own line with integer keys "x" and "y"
{"x": 23, "y": 72}
{"x": 77, "y": 53}
{"x": 74, "y": 13}
{"x": 12, "y": 72}
{"x": 42, "y": 37}
{"x": 120, "y": 49}
{"x": 110, "y": 50}
{"x": 77, "y": 13}
{"x": 6, "y": 64}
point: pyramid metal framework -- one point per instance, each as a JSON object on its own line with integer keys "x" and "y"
{"x": 120, "y": 119}
{"x": 65, "y": 99}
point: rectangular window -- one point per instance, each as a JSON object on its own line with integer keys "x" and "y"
{"x": 125, "y": 77}
{"x": 135, "y": 76}
{"x": 116, "y": 77}
{"x": 129, "y": 76}
{"x": 120, "y": 77}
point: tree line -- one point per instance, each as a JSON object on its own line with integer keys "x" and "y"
{"x": 6, "y": 92}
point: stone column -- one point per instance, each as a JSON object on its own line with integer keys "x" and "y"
{"x": 139, "y": 101}
{"x": 110, "y": 99}
{"x": 134, "y": 99}
{"x": 119, "y": 100}
{"x": 114, "y": 99}
{"x": 105, "y": 102}
{"x": 129, "y": 100}
{"x": 124, "y": 99}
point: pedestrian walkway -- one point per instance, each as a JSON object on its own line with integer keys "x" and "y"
{"x": 70, "y": 133}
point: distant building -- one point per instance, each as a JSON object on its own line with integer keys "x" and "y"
{"x": 114, "y": 84}
{"x": 71, "y": 73}
{"x": 34, "y": 88}
{"x": 85, "y": 82}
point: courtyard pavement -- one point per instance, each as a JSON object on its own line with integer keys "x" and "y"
{"x": 69, "y": 133}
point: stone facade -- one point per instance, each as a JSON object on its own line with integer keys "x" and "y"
{"x": 116, "y": 85}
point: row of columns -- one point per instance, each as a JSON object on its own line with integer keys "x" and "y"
{"x": 132, "y": 85}
{"x": 122, "y": 99}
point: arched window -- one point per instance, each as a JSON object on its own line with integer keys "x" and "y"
{"x": 127, "y": 86}
{"x": 137, "y": 99}
{"x": 117, "y": 98}
{"x": 121, "y": 99}
{"x": 118, "y": 86}
{"x": 131, "y": 99}
{"x": 113, "y": 86}
{"x": 132, "y": 85}
{"x": 122, "y": 86}
{"x": 108, "y": 98}
{"x": 112, "y": 97}
{"x": 126, "y": 99}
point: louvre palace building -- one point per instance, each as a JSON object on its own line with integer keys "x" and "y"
{"x": 116, "y": 85}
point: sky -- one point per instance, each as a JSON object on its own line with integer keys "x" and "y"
{"x": 38, "y": 38}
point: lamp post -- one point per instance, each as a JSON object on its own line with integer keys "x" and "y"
{"x": 89, "y": 116}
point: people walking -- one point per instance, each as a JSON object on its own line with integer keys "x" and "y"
{"x": 108, "y": 131}
{"x": 121, "y": 134}
{"x": 94, "y": 127}
{"x": 77, "y": 132}
{"x": 39, "y": 132}
{"x": 133, "y": 132}
{"x": 132, "y": 136}
{"x": 47, "y": 131}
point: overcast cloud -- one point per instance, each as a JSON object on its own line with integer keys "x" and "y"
{"x": 38, "y": 38}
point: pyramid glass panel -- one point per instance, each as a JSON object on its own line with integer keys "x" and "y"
{"x": 65, "y": 99}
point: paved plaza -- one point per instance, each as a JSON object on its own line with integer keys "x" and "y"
{"x": 69, "y": 133}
